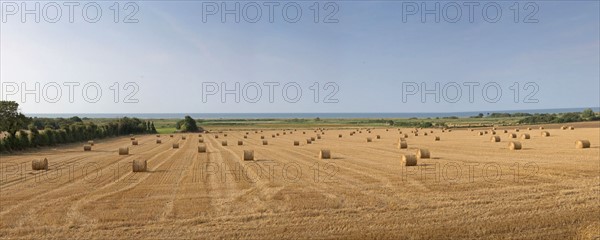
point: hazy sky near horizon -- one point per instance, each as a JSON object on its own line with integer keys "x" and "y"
{"x": 370, "y": 60}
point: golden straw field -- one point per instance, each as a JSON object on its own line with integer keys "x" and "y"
{"x": 470, "y": 187}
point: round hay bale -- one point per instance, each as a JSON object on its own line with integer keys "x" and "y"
{"x": 134, "y": 142}
{"x": 485, "y": 132}
{"x": 480, "y": 133}
{"x": 240, "y": 142}
{"x": 582, "y": 144}
{"x": 272, "y": 136}
{"x": 437, "y": 138}
{"x": 541, "y": 128}
{"x": 277, "y": 134}
{"x": 39, "y": 164}
{"x": 402, "y": 145}
{"x": 183, "y": 137}
{"x": 425, "y": 134}
{"x": 409, "y": 160}
{"x": 423, "y": 153}
{"x": 525, "y": 136}
{"x": 303, "y": 132}
{"x": 264, "y": 142}
{"x": 216, "y": 136}
{"x": 563, "y": 128}
{"x": 312, "y": 139}
{"x": 262, "y": 137}
{"x": 124, "y": 151}
{"x": 139, "y": 165}
{"x": 318, "y": 136}
{"x": 201, "y": 140}
{"x": 449, "y": 130}
{"x": 132, "y": 138}
{"x": 516, "y": 129}
{"x": 505, "y": 131}
{"x": 199, "y": 135}
{"x": 157, "y": 135}
{"x": 324, "y": 154}
{"x": 158, "y": 141}
{"x": 416, "y": 134}
{"x": 202, "y": 148}
{"x": 175, "y": 145}
{"x": 91, "y": 143}
{"x": 514, "y": 145}
{"x": 296, "y": 143}
{"x": 528, "y": 129}
{"x": 339, "y": 135}
{"x": 171, "y": 135}
{"x": 223, "y": 143}
{"x": 248, "y": 155}
{"x": 225, "y": 135}
{"x": 378, "y": 137}
{"x": 369, "y": 139}
{"x": 405, "y": 135}
{"x": 545, "y": 134}
{"x": 431, "y": 131}
{"x": 308, "y": 141}
{"x": 87, "y": 148}
{"x": 245, "y": 136}
{"x": 495, "y": 139}
{"x": 571, "y": 128}
{"x": 512, "y": 135}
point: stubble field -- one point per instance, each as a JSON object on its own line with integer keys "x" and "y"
{"x": 469, "y": 188}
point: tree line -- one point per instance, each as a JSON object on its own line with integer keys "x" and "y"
{"x": 19, "y": 132}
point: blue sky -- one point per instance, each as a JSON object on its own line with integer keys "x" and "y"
{"x": 369, "y": 54}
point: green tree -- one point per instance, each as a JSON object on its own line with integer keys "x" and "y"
{"x": 12, "y": 119}
{"x": 587, "y": 113}
{"x": 188, "y": 125}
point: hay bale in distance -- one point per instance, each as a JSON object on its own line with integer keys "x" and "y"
{"x": 512, "y": 135}
{"x": 240, "y": 142}
{"x": 409, "y": 160}
{"x": 132, "y": 138}
{"x": 202, "y": 148}
{"x": 378, "y": 137}
{"x": 525, "y": 136}
{"x": 545, "y": 134}
{"x": 201, "y": 140}
{"x": 223, "y": 143}
{"x": 158, "y": 141}
{"x": 39, "y": 164}
{"x": 495, "y": 139}
{"x": 369, "y": 139}
{"x": 505, "y": 131}
{"x": 296, "y": 143}
{"x": 437, "y": 138}
{"x": 308, "y": 141}
{"x": 248, "y": 155}
{"x": 571, "y": 128}
{"x": 183, "y": 137}
{"x": 582, "y": 144}
{"x": 175, "y": 145}
{"x": 264, "y": 142}
{"x": 134, "y": 142}
{"x": 91, "y": 143}
{"x": 480, "y": 133}
{"x": 402, "y": 145}
{"x": 124, "y": 151}
{"x": 324, "y": 154}
{"x": 339, "y": 135}
{"x": 245, "y": 136}
{"x": 514, "y": 145}
{"x": 139, "y": 165}
{"x": 262, "y": 137}
{"x": 87, "y": 148}
{"x": 423, "y": 153}
{"x": 312, "y": 139}
{"x": 216, "y": 136}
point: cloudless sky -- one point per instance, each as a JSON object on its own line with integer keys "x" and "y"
{"x": 367, "y": 57}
